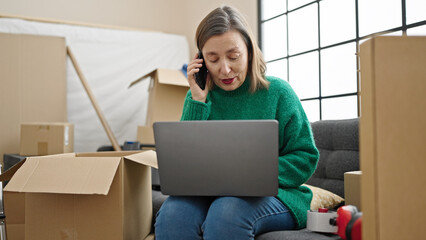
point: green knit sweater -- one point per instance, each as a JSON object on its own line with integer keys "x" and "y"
{"x": 298, "y": 155}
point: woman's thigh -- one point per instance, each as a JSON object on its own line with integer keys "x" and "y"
{"x": 245, "y": 217}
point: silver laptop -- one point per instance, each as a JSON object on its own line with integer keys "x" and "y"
{"x": 218, "y": 158}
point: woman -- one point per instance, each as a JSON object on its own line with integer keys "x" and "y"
{"x": 237, "y": 88}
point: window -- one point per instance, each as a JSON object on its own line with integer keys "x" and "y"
{"x": 313, "y": 44}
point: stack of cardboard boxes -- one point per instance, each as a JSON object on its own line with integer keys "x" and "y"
{"x": 166, "y": 97}
{"x": 33, "y": 89}
{"x": 33, "y": 84}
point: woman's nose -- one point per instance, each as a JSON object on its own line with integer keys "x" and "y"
{"x": 225, "y": 68}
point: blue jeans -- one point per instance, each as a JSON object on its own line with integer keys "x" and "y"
{"x": 211, "y": 218}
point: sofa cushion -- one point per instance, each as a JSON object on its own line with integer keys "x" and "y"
{"x": 324, "y": 199}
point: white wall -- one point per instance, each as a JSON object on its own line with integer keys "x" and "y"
{"x": 171, "y": 16}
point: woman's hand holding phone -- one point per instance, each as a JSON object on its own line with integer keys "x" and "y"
{"x": 194, "y": 68}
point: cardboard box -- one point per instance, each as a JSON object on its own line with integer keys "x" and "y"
{"x": 392, "y": 137}
{"x": 150, "y": 237}
{"x": 33, "y": 84}
{"x": 14, "y": 208}
{"x": 86, "y": 196}
{"x": 353, "y": 188}
{"x": 167, "y": 93}
{"x": 46, "y": 138}
{"x": 14, "y": 205}
{"x": 145, "y": 135}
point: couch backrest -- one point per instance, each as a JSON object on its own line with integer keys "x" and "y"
{"x": 338, "y": 144}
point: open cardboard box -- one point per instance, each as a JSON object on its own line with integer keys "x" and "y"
{"x": 104, "y": 195}
{"x": 167, "y": 93}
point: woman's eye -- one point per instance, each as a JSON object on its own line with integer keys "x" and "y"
{"x": 234, "y": 57}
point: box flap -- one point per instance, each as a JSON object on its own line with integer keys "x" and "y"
{"x": 72, "y": 175}
{"x": 148, "y": 158}
{"x": 165, "y": 76}
{"x": 8, "y": 174}
{"x": 172, "y": 77}
{"x": 150, "y": 74}
{"x": 107, "y": 154}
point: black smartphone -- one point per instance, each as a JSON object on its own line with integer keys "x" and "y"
{"x": 200, "y": 77}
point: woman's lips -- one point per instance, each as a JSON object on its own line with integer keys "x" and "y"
{"x": 228, "y": 80}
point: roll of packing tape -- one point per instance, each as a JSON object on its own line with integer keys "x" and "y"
{"x": 320, "y": 221}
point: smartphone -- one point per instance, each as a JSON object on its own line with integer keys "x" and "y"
{"x": 201, "y": 76}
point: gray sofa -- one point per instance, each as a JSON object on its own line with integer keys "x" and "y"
{"x": 337, "y": 141}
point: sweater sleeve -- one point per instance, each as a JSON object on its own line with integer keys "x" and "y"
{"x": 298, "y": 155}
{"x": 194, "y": 110}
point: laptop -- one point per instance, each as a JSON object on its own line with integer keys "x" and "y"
{"x": 218, "y": 158}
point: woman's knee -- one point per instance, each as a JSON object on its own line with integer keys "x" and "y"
{"x": 180, "y": 218}
{"x": 247, "y": 216}
{"x": 226, "y": 218}
{"x": 227, "y": 211}
{"x": 228, "y": 207}
{"x": 182, "y": 211}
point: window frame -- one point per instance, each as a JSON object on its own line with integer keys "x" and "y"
{"x": 404, "y": 26}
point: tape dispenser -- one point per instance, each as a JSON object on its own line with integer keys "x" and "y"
{"x": 346, "y": 222}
